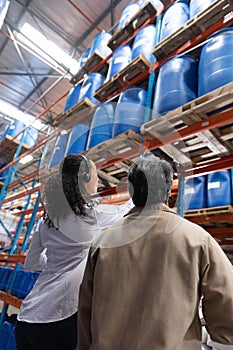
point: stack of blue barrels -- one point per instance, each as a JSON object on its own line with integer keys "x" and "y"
{"x": 188, "y": 80}
{"x": 208, "y": 191}
{"x": 94, "y": 80}
{"x": 216, "y": 61}
{"x": 177, "y": 77}
{"x": 180, "y": 79}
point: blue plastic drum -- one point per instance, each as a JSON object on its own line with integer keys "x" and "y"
{"x": 174, "y": 17}
{"x": 120, "y": 59}
{"x": 101, "y": 127}
{"x": 58, "y": 150}
{"x": 197, "y": 6}
{"x": 84, "y": 57}
{"x": 78, "y": 139}
{"x": 100, "y": 44}
{"x": 158, "y": 5}
{"x": 72, "y": 97}
{"x": 176, "y": 84}
{"x": 219, "y": 189}
{"x": 144, "y": 42}
{"x": 128, "y": 12}
{"x": 216, "y": 62}
{"x": 130, "y": 110}
{"x": 195, "y": 193}
{"x": 90, "y": 84}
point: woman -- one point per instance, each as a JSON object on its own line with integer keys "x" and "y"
{"x": 48, "y": 315}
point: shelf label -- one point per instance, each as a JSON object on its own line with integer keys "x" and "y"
{"x": 212, "y": 185}
{"x": 189, "y": 190}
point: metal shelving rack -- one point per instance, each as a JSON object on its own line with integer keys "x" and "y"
{"x": 186, "y": 39}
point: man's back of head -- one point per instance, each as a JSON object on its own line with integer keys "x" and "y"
{"x": 150, "y": 181}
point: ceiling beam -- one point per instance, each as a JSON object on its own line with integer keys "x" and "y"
{"x": 98, "y": 21}
{"x": 32, "y": 74}
{"x": 51, "y": 25}
{"x": 17, "y": 21}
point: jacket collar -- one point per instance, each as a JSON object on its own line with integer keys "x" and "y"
{"x": 159, "y": 207}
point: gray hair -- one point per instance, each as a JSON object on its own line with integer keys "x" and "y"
{"x": 150, "y": 181}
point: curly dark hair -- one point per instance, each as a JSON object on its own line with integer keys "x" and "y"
{"x": 150, "y": 180}
{"x": 65, "y": 190}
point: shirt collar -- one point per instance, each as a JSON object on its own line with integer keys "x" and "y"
{"x": 158, "y": 206}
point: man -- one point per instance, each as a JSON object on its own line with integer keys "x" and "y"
{"x": 145, "y": 276}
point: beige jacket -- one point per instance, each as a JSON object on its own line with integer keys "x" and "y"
{"x": 143, "y": 283}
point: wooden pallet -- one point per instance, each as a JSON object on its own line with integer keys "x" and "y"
{"x": 199, "y": 147}
{"x": 144, "y": 14}
{"x": 193, "y": 28}
{"x": 226, "y": 209}
{"x": 134, "y": 69}
{"x": 94, "y": 61}
{"x": 74, "y": 114}
{"x": 116, "y": 172}
{"x": 8, "y": 147}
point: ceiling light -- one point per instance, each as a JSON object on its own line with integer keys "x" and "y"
{"x": 13, "y": 112}
{"x": 3, "y": 10}
{"x": 46, "y": 48}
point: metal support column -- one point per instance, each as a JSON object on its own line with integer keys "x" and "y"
{"x": 180, "y": 197}
{"x": 12, "y": 170}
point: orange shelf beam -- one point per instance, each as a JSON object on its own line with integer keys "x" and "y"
{"x": 25, "y": 178}
{"x": 28, "y": 211}
{"x": 10, "y": 300}
{"x": 215, "y": 121}
{"x": 221, "y": 232}
{"x": 20, "y": 194}
{"x": 12, "y": 258}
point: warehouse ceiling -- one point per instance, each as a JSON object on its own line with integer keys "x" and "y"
{"x": 27, "y": 81}
{"x": 32, "y": 82}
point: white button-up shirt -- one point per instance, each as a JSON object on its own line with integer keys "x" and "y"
{"x": 62, "y": 255}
